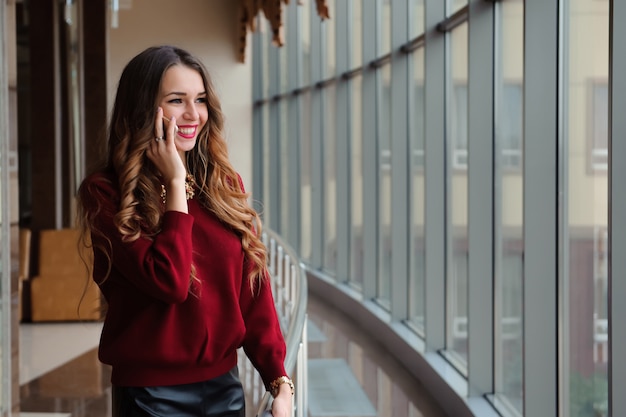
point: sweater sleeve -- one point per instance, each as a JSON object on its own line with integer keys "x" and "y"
{"x": 264, "y": 343}
{"x": 158, "y": 266}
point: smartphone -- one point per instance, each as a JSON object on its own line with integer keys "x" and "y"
{"x": 165, "y": 128}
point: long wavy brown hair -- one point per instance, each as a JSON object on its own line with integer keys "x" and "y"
{"x": 131, "y": 131}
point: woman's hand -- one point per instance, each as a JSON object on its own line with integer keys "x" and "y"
{"x": 282, "y": 405}
{"x": 163, "y": 153}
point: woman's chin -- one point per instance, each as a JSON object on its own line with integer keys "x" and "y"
{"x": 185, "y": 145}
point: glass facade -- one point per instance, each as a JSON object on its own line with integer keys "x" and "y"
{"x": 385, "y": 242}
{"x": 509, "y": 197}
{"x": 356, "y": 171}
{"x": 330, "y": 179}
{"x": 325, "y": 127}
{"x": 457, "y": 323}
{"x": 417, "y": 192}
{"x": 546, "y": 189}
{"x": 585, "y": 232}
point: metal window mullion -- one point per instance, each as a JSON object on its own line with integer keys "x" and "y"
{"x": 342, "y": 143}
{"x": 324, "y": 142}
{"x": 370, "y": 155}
{"x": 293, "y": 170}
{"x": 435, "y": 178}
{"x": 317, "y": 149}
{"x": 257, "y": 121}
{"x": 400, "y": 162}
{"x": 257, "y": 65}
{"x": 294, "y": 65}
{"x": 541, "y": 208}
{"x": 257, "y": 161}
{"x": 565, "y": 394}
{"x": 498, "y": 251}
{"x": 274, "y": 214}
{"x": 450, "y": 280}
{"x": 480, "y": 197}
{"x": 617, "y": 208}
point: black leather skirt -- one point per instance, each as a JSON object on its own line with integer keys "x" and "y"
{"x": 219, "y": 397}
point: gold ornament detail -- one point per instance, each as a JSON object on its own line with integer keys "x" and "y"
{"x": 189, "y": 188}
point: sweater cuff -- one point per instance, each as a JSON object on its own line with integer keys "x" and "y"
{"x": 177, "y": 220}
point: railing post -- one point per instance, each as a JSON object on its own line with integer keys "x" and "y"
{"x": 302, "y": 373}
{"x": 289, "y": 287}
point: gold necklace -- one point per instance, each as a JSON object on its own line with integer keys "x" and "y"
{"x": 190, "y": 182}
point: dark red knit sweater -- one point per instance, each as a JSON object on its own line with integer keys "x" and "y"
{"x": 158, "y": 333}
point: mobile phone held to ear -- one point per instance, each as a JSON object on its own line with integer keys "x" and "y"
{"x": 165, "y": 127}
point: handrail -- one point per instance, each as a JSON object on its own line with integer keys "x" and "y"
{"x": 289, "y": 287}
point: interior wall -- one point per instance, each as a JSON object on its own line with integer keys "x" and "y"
{"x": 209, "y": 30}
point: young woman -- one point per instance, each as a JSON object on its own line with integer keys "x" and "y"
{"x": 176, "y": 251}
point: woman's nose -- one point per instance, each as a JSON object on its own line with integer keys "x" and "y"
{"x": 191, "y": 112}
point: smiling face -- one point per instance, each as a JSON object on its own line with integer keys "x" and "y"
{"x": 184, "y": 97}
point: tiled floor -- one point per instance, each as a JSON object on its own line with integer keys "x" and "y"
{"x": 350, "y": 375}
{"x": 59, "y": 341}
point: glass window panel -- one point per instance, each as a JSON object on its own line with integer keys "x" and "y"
{"x": 384, "y": 181}
{"x": 305, "y": 171}
{"x": 305, "y": 32}
{"x": 356, "y": 164}
{"x": 416, "y": 120}
{"x": 385, "y": 36}
{"x": 73, "y": 81}
{"x": 510, "y": 126}
{"x": 265, "y": 42}
{"x": 416, "y": 26}
{"x": 284, "y": 167}
{"x": 509, "y": 201}
{"x": 586, "y": 115}
{"x": 266, "y": 203}
{"x": 356, "y": 44}
{"x": 454, "y": 6}
{"x": 456, "y": 293}
{"x": 283, "y": 60}
{"x": 331, "y": 39}
{"x": 458, "y": 127}
{"x": 330, "y": 179}
{"x": 599, "y": 140}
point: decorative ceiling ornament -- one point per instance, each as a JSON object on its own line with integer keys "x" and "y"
{"x": 273, "y": 11}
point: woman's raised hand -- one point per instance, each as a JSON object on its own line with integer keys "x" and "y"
{"x": 163, "y": 153}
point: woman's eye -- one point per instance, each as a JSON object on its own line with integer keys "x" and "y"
{"x": 175, "y": 100}
{"x": 201, "y": 100}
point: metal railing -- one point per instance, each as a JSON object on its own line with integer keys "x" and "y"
{"x": 289, "y": 287}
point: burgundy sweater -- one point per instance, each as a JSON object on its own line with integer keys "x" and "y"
{"x": 158, "y": 333}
